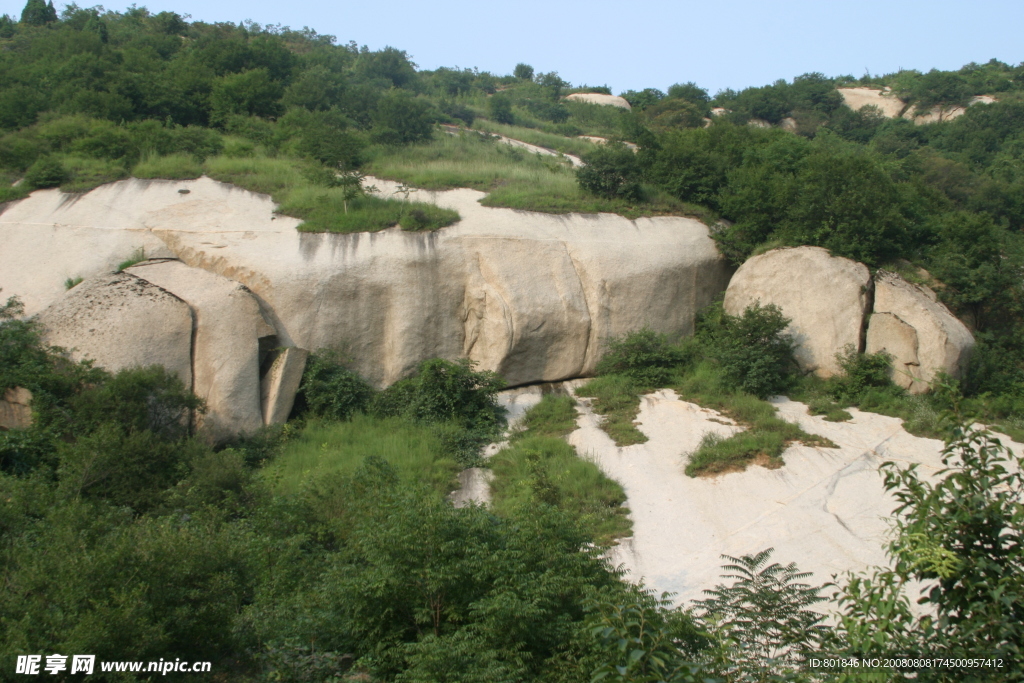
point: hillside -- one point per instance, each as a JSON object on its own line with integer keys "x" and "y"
{"x": 266, "y": 295}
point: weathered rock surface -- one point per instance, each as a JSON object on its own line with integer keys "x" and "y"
{"x": 887, "y": 103}
{"x": 600, "y": 98}
{"x": 824, "y": 509}
{"x": 280, "y": 383}
{"x": 533, "y": 296}
{"x": 923, "y": 337}
{"x": 122, "y": 321}
{"x": 16, "y": 408}
{"x": 226, "y": 347}
{"x": 826, "y": 297}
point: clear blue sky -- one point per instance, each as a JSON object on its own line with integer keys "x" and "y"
{"x": 728, "y": 43}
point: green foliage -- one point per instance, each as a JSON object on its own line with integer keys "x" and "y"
{"x": 543, "y": 470}
{"x": 499, "y": 109}
{"x": 617, "y": 398}
{"x": 38, "y": 13}
{"x": 611, "y": 171}
{"x": 960, "y": 534}
{"x": 330, "y": 390}
{"x": 764, "y": 617}
{"x": 171, "y": 166}
{"x": 138, "y": 256}
{"x": 323, "y": 450}
{"x": 401, "y": 119}
{"x": 443, "y": 391}
{"x": 645, "y": 639}
{"x": 554, "y": 416}
{"x": 523, "y": 72}
{"x": 644, "y": 356}
{"x": 862, "y": 372}
{"x": 752, "y": 349}
{"x": 46, "y": 172}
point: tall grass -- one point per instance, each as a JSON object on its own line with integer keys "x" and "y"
{"x": 171, "y": 166}
{"x": 617, "y": 398}
{"x": 546, "y": 470}
{"x": 554, "y": 416}
{"x": 324, "y": 448}
{"x": 559, "y": 143}
{"x": 86, "y": 173}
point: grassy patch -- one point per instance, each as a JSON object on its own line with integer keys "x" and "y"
{"x": 86, "y": 173}
{"x": 617, "y": 398}
{"x": 72, "y": 282}
{"x": 559, "y": 143}
{"x": 544, "y": 469}
{"x": 171, "y": 167}
{"x": 324, "y": 448}
{"x": 324, "y": 209}
{"x": 766, "y": 435}
{"x": 513, "y": 177}
{"x": 554, "y": 416}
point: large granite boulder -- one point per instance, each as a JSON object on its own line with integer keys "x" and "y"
{"x": 122, "y": 321}
{"x": 920, "y": 333}
{"x": 600, "y": 98}
{"x": 825, "y": 297}
{"x": 532, "y": 296}
{"x": 226, "y": 344}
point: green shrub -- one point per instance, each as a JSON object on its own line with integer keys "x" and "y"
{"x": 644, "y": 356}
{"x": 445, "y": 391}
{"x": 554, "y": 416}
{"x": 499, "y": 109}
{"x": 138, "y": 256}
{"x": 611, "y": 171}
{"x": 752, "y": 349}
{"x": 47, "y": 171}
{"x": 862, "y": 372}
{"x": 330, "y": 390}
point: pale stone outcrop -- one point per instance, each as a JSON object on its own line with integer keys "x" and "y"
{"x": 533, "y": 296}
{"x": 122, "y": 321}
{"x": 226, "y": 348}
{"x": 884, "y": 100}
{"x": 53, "y": 236}
{"x": 825, "y": 296}
{"x": 280, "y": 383}
{"x": 920, "y": 333}
{"x": 16, "y": 408}
{"x": 600, "y": 98}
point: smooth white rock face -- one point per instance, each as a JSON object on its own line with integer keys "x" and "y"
{"x": 825, "y": 297}
{"x": 474, "y": 487}
{"x": 825, "y": 509}
{"x": 533, "y": 296}
{"x": 122, "y": 321}
{"x": 942, "y": 342}
{"x": 887, "y": 103}
{"x": 225, "y": 350}
{"x": 280, "y": 384}
{"x": 600, "y": 98}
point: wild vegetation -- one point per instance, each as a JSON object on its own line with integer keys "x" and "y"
{"x": 326, "y": 549}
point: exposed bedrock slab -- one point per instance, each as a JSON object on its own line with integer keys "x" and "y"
{"x": 923, "y": 337}
{"x": 825, "y": 296}
{"x": 226, "y": 349}
{"x": 533, "y": 296}
{"x": 122, "y": 321}
{"x": 280, "y": 384}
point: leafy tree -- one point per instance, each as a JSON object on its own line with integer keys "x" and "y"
{"x": 47, "y": 171}
{"x": 612, "y": 171}
{"x": 401, "y": 119}
{"x": 390, "y": 64}
{"x": 643, "y": 99}
{"x": 499, "y": 109}
{"x": 763, "y": 619}
{"x": 249, "y": 93}
{"x": 523, "y": 72}
{"x": 693, "y": 93}
{"x": 38, "y": 13}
